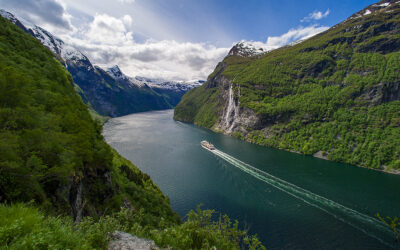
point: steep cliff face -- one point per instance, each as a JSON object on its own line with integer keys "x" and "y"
{"x": 335, "y": 94}
{"x": 233, "y": 117}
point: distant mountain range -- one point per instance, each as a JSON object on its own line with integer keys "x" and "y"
{"x": 108, "y": 91}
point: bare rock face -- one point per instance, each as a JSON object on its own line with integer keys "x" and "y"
{"x": 234, "y": 118}
{"x": 247, "y": 49}
{"x": 125, "y": 241}
{"x": 382, "y": 93}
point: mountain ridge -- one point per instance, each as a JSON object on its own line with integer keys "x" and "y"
{"x": 107, "y": 94}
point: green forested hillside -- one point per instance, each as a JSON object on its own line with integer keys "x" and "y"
{"x": 61, "y": 185}
{"x": 336, "y": 94}
{"x": 51, "y": 151}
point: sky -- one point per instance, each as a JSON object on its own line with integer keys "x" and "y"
{"x": 178, "y": 39}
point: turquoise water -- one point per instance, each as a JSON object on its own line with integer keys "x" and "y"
{"x": 291, "y": 201}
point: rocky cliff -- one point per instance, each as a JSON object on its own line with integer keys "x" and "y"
{"x": 335, "y": 94}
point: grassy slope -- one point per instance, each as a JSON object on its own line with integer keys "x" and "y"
{"x": 198, "y": 106}
{"x": 317, "y": 93}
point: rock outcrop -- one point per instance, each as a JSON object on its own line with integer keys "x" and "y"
{"x": 125, "y": 241}
{"x": 233, "y": 117}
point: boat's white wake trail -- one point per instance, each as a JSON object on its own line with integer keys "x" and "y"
{"x": 366, "y": 224}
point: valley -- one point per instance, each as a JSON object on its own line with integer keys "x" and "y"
{"x": 110, "y": 139}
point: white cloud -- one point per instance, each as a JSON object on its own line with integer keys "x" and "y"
{"x": 127, "y": 20}
{"x": 301, "y": 33}
{"x": 316, "y": 15}
{"x": 107, "y": 41}
{"x": 160, "y": 59}
{"x": 106, "y": 29}
{"x": 126, "y": 1}
{"x": 292, "y": 35}
{"x": 50, "y": 14}
{"x": 168, "y": 58}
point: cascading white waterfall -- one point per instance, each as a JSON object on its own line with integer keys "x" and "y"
{"x": 232, "y": 111}
{"x": 229, "y": 108}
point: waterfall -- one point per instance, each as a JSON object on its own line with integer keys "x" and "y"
{"x": 232, "y": 111}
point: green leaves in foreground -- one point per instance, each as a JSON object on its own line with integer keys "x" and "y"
{"x": 25, "y": 227}
{"x": 200, "y": 231}
{"x": 392, "y": 223}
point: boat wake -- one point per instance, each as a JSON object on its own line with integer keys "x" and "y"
{"x": 364, "y": 223}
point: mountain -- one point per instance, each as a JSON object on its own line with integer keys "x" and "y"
{"x": 171, "y": 89}
{"x": 109, "y": 92}
{"x": 335, "y": 95}
{"x": 246, "y": 49}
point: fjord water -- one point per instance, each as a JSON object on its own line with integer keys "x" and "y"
{"x": 291, "y": 201}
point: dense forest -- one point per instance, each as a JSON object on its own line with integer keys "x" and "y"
{"x": 61, "y": 185}
{"x": 335, "y": 95}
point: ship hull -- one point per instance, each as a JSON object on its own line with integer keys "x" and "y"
{"x": 209, "y": 149}
{"x": 207, "y": 145}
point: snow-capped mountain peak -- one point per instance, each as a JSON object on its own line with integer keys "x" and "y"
{"x": 246, "y": 49}
{"x": 250, "y": 48}
{"x": 8, "y": 16}
{"x": 56, "y": 45}
{"x": 116, "y": 73}
{"x": 169, "y": 85}
{"x": 383, "y": 5}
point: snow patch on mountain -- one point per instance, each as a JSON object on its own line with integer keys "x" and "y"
{"x": 56, "y": 45}
{"x": 245, "y": 49}
{"x": 367, "y": 12}
{"x": 169, "y": 85}
{"x": 70, "y": 53}
{"x": 116, "y": 73}
{"x": 384, "y": 5}
{"x": 140, "y": 81}
{"x": 8, "y": 16}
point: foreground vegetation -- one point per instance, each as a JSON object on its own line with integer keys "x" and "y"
{"x": 336, "y": 94}
{"x": 25, "y": 227}
{"x": 393, "y": 224}
{"x": 68, "y": 186}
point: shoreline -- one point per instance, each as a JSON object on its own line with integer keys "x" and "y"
{"x": 315, "y": 155}
{"x": 395, "y": 172}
